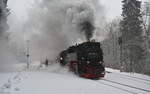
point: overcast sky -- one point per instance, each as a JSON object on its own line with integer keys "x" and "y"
{"x": 112, "y": 7}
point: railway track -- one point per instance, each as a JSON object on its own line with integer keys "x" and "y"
{"x": 136, "y": 78}
{"x": 122, "y": 89}
{"x": 114, "y": 83}
{"x": 130, "y": 76}
{"x": 127, "y": 85}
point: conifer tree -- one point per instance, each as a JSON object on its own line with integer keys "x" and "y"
{"x": 3, "y": 15}
{"x": 132, "y": 40}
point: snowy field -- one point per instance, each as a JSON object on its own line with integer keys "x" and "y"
{"x": 57, "y": 80}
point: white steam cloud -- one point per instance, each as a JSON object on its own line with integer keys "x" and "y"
{"x": 7, "y": 59}
{"x": 53, "y": 25}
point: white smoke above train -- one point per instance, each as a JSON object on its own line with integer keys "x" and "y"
{"x": 53, "y": 25}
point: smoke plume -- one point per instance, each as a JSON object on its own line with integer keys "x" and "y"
{"x": 87, "y": 28}
{"x": 7, "y": 59}
{"x": 53, "y": 25}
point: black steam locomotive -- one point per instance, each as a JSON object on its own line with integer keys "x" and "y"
{"x": 85, "y": 60}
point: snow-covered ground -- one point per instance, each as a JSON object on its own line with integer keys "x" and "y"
{"x": 58, "y": 80}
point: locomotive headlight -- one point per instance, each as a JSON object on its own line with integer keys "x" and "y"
{"x": 103, "y": 72}
{"x": 100, "y": 62}
{"x": 88, "y": 62}
{"x": 61, "y": 58}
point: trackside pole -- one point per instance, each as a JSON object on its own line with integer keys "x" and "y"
{"x": 27, "y": 55}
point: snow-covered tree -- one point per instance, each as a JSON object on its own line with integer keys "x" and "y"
{"x": 3, "y": 15}
{"x": 146, "y": 21}
{"x": 146, "y": 25}
{"x": 132, "y": 40}
{"x": 111, "y": 45}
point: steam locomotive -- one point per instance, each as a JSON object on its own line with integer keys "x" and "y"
{"x": 85, "y": 60}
